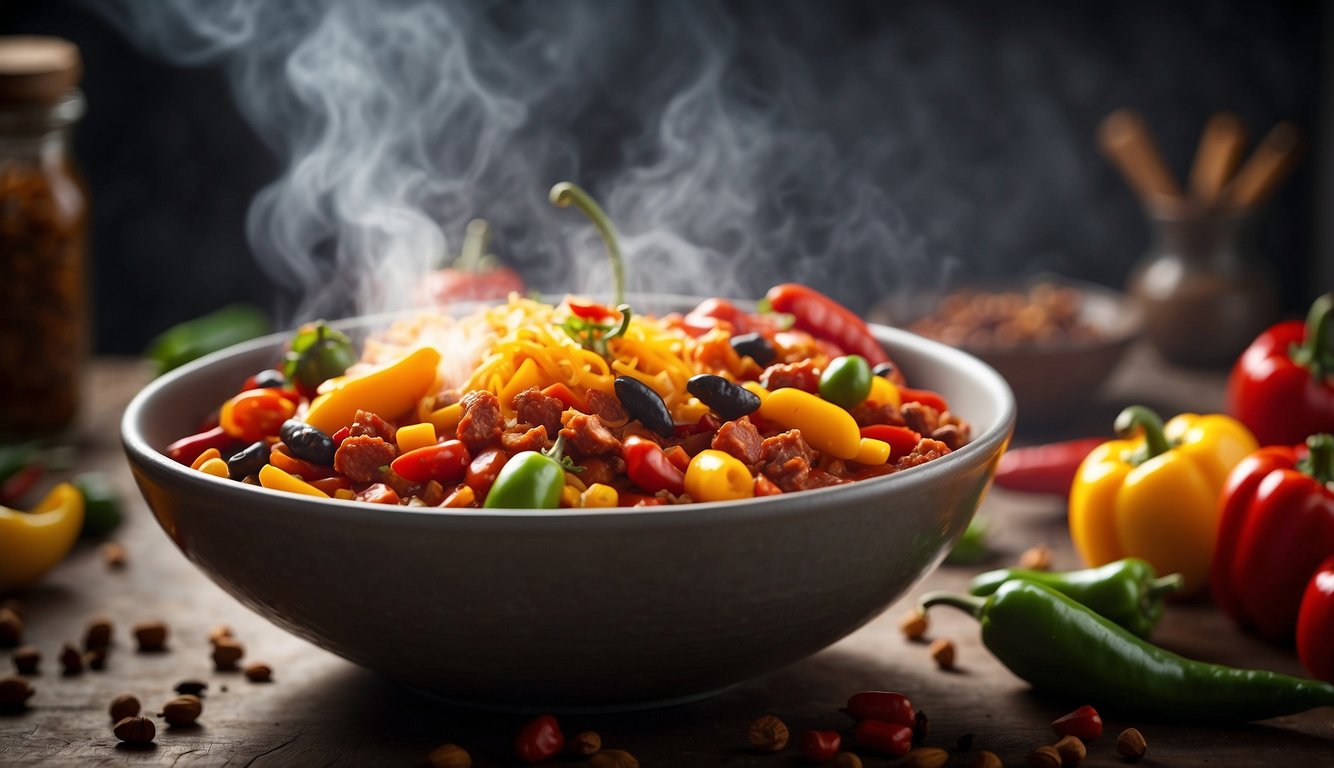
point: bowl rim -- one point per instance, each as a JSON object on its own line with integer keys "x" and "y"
{"x": 988, "y": 443}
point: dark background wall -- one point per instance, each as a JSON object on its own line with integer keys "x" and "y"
{"x": 973, "y": 123}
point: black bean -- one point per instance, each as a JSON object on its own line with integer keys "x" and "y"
{"x": 270, "y": 378}
{"x": 756, "y": 347}
{"x": 308, "y": 443}
{"x": 248, "y": 461}
{"x": 641, "y": 402}
{"x": 722, "y": 396}
{"x": 885, "y": 370}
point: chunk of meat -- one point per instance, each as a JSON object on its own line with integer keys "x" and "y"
{"x": 601, "y": 469}
{"x": 367, "y": 424}
{"x": 534, "y": 439}
{"x": 926, "y": 450}
{"x": 481, "y": 423}
{"x": 533, "y": 407}
{"x": 799, "y": 375}
{"x": 922, "y": 419}
{"x": 739, "y": 438}
{"x": 586, "y": 433}
{"x": 867, "y": 413}
{"x": 785, "y": 446}
{"x": 361, "y": 458}
{"x": 606, "y": 407}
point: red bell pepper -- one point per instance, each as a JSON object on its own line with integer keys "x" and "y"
{"x": 1276, "y": 525}
{"x": 1315, "y": 623}
{"x": 1282, "y": 386}
{"x": 824, "y": 318}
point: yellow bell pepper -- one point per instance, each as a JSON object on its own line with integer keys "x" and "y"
{"x": 718, "y": 476}
{"x": 31, "y": 543}
{"x": 827, "y": 427}
{"x": 1154, "y": 493}
{"x": 275, "y": 479}
{"x": 388, "y": 391}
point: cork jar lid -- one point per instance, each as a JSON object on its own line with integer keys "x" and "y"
{"x": 36, "y": 69}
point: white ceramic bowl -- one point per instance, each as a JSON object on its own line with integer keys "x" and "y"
{"x": 561, "y": 609}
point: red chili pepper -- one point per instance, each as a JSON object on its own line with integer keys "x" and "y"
{"x": 925, "y": 397}
{"x": 632, "y": 499}
{"x": 450, "y": 284}
{"x": 886, "y": 738}
{"x": 649, "y": 468}
{"x": 885, "y": 706}
{"x": 1049, "y": 468}
{"x": 1282, "y": 386}
{"x": 824, "y": 318}
{"x": 1084, "y": 723}
{"x": 443, "y": 462}
{"x": 1275, "y": 527}
{"x": 540, "y": 739}
{"x": 820, "y": 746}
{"x": 20, "y": 483}
{"x": 187, "y": 449}
{"x": 1315, "y": 623}
{"x": 901, "y": 439}
{"x": 342, "y": 434}
{"x": 701, "y": 317}
{"x": 590, "y": 310}
{"x": 483, "y": 469}
{"x": 280, "y": 458}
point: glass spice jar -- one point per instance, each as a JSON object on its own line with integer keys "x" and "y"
{"x": 43, "y": 222}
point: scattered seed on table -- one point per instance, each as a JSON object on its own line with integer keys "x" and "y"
{"x": 1036, "y": 558}
{"x": 114, "y": 555}
{"x": 11, "y": 627}
{"x": 135, "y": 730}
{"x": 584, "y": 743}
{"x": 846, "y": 760}
{"x": 151, "y": 636}
{"x": 218, "y": 632}
{"x": 767, "y": 734}
{"x": 943, "y": 652}
{"x": 96, "y": 659}
{"x": 1130, "y": 743}
{"x": 71, "y": 661}
{"x": 1044, "y": 757}
{"x": 26, "y": 660}
{"x": 123, "y": 706}
{"x": 259, "y": 672}
{"x": 921, "y": 727}
{"x": 14, "y": 693}
{"x": 985, "y": 759}
{"x": 1071, "y": 750}
{"x": 914, "y": 624}
{"x": 926, "y": 757}
{"x": 98, "y": 634}
{"x": 613, "y": 758}
{"x": 192, "y": 687}
{"x": 182, "y": 710}
{"x": 226, "y": 653}
{"x": 449, "y": 756}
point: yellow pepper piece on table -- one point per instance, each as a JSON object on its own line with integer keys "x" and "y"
{"x": 388, "y": 391}
{"x": 32, "y": 543}
{"x": 1154, "y": 493}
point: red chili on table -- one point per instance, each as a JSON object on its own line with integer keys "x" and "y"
{"x": 824, "y": 318}
{"x": 1049, "y": 468}
{"x": 540, "y": 739}
{"x": 820, "y": 746}
{"x": 885, "y": 706}
{"x": 1084, "y": 723}
{"x": 890, "y": 739}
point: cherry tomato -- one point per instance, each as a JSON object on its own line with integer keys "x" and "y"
{"x": 1084, "y": 723}
{"x": 255, "y": 414}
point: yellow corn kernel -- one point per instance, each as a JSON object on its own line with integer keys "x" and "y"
{"x": 718, "y": 476}
{"x": 884, "y": 392}
{"x": 759, "y": 391}
{"x": 211, "y": 453}
{"x": 278, "y": 480}
{"x": 827, "y": 427}
{"x": 446, "y": 420}
{"x": 344, "y": 494}
{"x": 214, "y": 466}
{"x": 569, "y": 496}
{"x": 599, "y": 495}
{"x": 415, "y": 436}
{"x": 872, "y": 452}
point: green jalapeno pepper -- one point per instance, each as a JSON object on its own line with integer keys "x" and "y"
{"x": 531, "y": 480}
{"x": 846, "y": 381}
{"x": 1060, "y": 646}
{"x": 195, "y": 338}
{"x": 1128, "y": 591}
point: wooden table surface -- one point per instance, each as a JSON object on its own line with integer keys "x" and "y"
{"x": 322, "y": 710}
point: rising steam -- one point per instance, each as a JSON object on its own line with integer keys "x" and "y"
{"x": 400, "y": 121}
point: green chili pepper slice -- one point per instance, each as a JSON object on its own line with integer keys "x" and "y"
{"x": 1060, "y": 646}
{"x": 846, "y": 381}
{"x": 195, "y": 338}
{"x": 1127, "y": 591}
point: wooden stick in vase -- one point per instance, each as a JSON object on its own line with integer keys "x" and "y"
{"x": 1217, "y": 158}
{"x": 1259, "y": 177}
{"x": 1125, "y": 139}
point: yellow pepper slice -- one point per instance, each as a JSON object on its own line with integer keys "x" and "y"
{"x": 872, "y": 452}
{"x": 827, "y": 427}
{"x": 32, "y": 543}
{"x": 718, "y": 476}
{"x": 414, "y": 436}
{"x": 389, "y": 391}
{"x": 216, "y": 467}
{"x": 273, "y": 478}
{"x": 1154, "y": 493}
{"x": 884, "y": 392}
